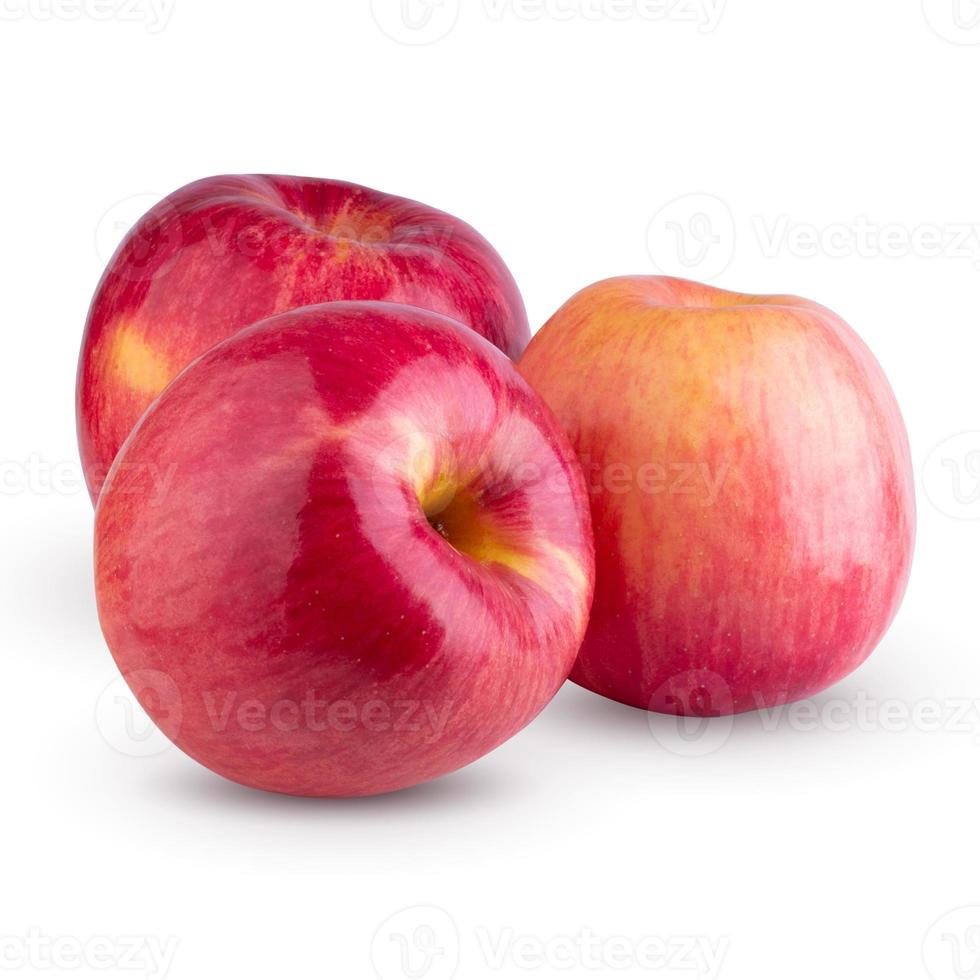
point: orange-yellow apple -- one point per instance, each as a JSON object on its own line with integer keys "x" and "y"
{"x": 224, "y": 252}
{"x": 347, "y": 550}
{"x": 750, "y": 486}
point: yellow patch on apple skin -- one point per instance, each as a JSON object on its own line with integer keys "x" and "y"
{"x": 494, "y": 551}
{"x": 437, "y": 493}
{"x": 459, "y": 517}
{"x": 448, "y": 497}
{"x": 354, "y": 226}
{"x": 136, "y": 363}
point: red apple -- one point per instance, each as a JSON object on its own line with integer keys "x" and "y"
{"x": 750, "y": 487}
{"x": 347, "y": 550}
{"x": 225, "y": 252}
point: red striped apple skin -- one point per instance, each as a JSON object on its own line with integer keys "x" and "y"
{"x": 357, "y": 506}
{"x": 224, "y": 252}
{"x": 751, "y": 491}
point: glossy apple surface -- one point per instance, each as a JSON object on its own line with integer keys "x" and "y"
{"x": 224, "y": 252}
{"x": 346, "y": 551}
{"x": 750, "y": 485}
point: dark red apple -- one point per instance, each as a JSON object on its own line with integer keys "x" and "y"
{"x": 751, "y": 491}
{"x": 224, "y": 252}
{"x": 356, "y": 546}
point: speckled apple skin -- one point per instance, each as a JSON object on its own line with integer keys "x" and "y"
{"x": 261, "y": 539}
{"x": 224, "y": 252}
{"x": 751, "y": 491}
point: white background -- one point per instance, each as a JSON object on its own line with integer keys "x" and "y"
{"x": 826, "y": 149}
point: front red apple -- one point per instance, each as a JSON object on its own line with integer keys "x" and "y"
{"x": 751, "y": 490}
{"x": 346, "y": 551}
{"x": 225, "y": 252}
